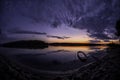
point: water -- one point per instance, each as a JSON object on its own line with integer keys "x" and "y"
{"x": 54, "y": 58}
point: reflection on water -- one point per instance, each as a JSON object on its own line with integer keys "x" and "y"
{"x": 54, "y": 58}
{"x": 78, "y": 48}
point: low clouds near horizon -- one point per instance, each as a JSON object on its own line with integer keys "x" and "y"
{"x": 38, "y": 33}
{"x": 28, "y": 32}
{"x": 58, "y": 37}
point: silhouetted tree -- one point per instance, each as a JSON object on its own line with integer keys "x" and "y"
{"x": 118, "y": 29}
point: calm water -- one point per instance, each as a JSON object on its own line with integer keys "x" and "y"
{"x": 54, "y": 58}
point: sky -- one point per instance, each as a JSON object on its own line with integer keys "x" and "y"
{"x": 73, "y": 21}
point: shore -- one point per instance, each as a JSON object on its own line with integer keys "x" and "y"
{"x": 104, "y": 69}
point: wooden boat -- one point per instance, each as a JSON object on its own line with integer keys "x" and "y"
{"x": 82, "y": 56}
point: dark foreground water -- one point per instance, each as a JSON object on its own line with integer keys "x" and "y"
{"x": 54, "y": 58}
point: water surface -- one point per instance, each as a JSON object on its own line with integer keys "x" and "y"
{"x": 54, "y": 58}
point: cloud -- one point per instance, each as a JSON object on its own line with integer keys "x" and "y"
{"x": 58, "y": 37}
{"x": 93, "y": 15}
{"x": 97, "y": 35}
{"x": 37, "y": 33}
{"x": 106, "y": 40}
{"x": 94, "y": 41}
{"x": 28, "y": 32}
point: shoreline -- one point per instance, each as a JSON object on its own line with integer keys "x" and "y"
{"x": 106, "y": 69}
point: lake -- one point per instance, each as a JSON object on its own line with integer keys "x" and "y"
{"x": 55, "y": 58}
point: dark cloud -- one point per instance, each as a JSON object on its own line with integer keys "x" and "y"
{"x": 106, "y": 40}
{"x": 94, "y": 41}
{"x": 28, "y": 32}
{"x": 98, "y": 35}
{"x": 58, "y": 37}
{"x": 66, "y": 37}
{"x": 38, "y": 33}
{"x": 93, "y": 15}
{"x": 96, "y": 17}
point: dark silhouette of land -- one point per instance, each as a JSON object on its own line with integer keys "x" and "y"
{"x": 74, "y": 44}
{"x": 38, "y": 44}
{"x": 31, "y": 44}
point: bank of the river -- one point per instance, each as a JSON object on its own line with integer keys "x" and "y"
{"x": 105, "y": 69}
{"x": 10, "y": 70}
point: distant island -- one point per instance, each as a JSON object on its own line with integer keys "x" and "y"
{"x": 75, "y": 44}
{"x": 38, "y": 44}
{"x": 30, "y": 44}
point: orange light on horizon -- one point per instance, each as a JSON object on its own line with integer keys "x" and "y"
{"x": 71, "y": 40}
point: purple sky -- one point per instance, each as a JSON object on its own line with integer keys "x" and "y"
{"x": 58, "y": 20}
